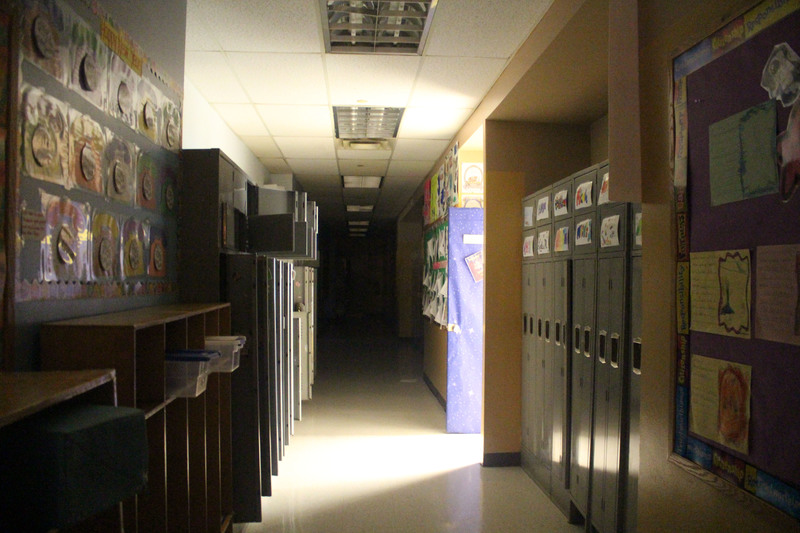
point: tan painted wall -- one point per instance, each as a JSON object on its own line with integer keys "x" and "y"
{"x": 520, "y": 158}
{"x": 670, "y": 499}
{"x": 435, "y": 359}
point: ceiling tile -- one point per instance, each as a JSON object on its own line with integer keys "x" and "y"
{"x": 242, "y": 119}
{"x": 321, "y": 184}
{"x": 410, "y": 169}
{"x": 362, "y": 167}
{"x": 306, "y": 147}
{"x": 213, "y": 77}
{"x": 281, "y": 78}
{"x": 198, "y": 35}
{"x": 477, "y": 28}
{"x": 342, "y": 153}
{"x": 258, "y": 26}
{"x": 360, "y": 196}
{"x": 432, "y": 122}
{"x": 313, "y": 166}
{"x": 276, "y": 166}
{"x": 297, "y": 120}
{"x": 262, "y": 147}
{"x": 417, "y": 149}
{"x": 465, "y": 83}
{"x": 380, "y": 80}
{"x": 395, "y": 194}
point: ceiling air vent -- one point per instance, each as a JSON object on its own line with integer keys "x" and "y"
{"x": 380, "y": 27}
{"x": 368, "y": 125}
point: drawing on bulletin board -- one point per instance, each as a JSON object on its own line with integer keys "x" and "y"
{"x": 742, "y": 155}
{"x": 720, "y": 292}
{"x": 719, "y": 406}
{"x": 736, "y": 111}
{"x": 777, "y": 308}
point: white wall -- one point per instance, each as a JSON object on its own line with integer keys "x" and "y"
{"x": 203, "y": 128}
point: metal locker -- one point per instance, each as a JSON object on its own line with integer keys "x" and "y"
{"x": 239, "y": 273}
{"x": 276, "y": 364}
{"x": 528, "y": 321}
{"x": 634, "y": 371}
{"x": 583, "y": 344}
{"x": 264, "y": 386}
{"x": 610, "y": 365}
{"x": 560, "y": 447}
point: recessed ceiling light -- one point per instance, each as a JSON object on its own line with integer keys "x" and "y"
{"x": 378, "y": 26}
{"x": 361, "y": 182}
{"x": 359, "y": 208}
{"x": 367, "y": 123}
{"x": 358, "y": 223}
{"x": 358, "y": 234}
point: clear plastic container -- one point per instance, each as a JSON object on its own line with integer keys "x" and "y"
{"x": 229, "y": 348}
{"x": 187, "y": 372}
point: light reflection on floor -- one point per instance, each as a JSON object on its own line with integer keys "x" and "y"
{"x": 371, "y": 455}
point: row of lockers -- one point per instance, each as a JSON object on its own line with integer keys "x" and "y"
{"x": 581, "y": 306}
{"x": 244, "y": 246}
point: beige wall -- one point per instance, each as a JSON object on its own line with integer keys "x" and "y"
{"x": 520, "y": 158}
{"x": 670, "y": 499}
{"x": 435, "y": 361}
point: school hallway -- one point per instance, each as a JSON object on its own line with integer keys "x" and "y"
{"x": 371, "y": 453}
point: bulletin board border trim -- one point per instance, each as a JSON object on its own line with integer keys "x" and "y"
{"x": 736, "y": 32}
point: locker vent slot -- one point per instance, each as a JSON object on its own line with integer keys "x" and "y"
{"x": 601, "y": 356}
{"x": 637, "y": 356}
{"x": 615, "y": 350}
{"x": 587, "y": 341}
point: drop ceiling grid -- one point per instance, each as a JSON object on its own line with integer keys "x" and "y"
{"x": 280, "y": 78}
{"x": 409, "y": 169}
{"x": 297, "y": 120}
{"x": 302, "y": 166}
{"x": 243, "y": 29}
{"x": 242, "y": 118}
{"x": 263, "y": 147}
{"x": 466, "y": 82}
{"x": 213, "y": 76}
{"x": 383, "y": 81}
{"x": 483, "y": 28}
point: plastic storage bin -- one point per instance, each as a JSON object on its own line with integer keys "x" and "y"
{"x": 229, "y": 348}
{"x": 187, "y": 372}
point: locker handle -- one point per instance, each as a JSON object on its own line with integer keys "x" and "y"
{"x": 637, "y": 356}
{"x": 547, "y": 330}
{"x": 587, "y": 341}
{"x": 578, "y": 338}
{"x": 601, "y": 354}
{"x": 615, "y": 350}
{"x": 530, "y": 324}
{"x": 524, "y": 323}
{"x": 540, "y": 328}
{"x": 558, "y": 333}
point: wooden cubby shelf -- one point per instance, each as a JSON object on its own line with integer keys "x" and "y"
{"x": 189, "y": 439}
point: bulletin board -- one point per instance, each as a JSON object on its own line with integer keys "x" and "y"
{"x": 98, "y": 142}
{"x": 737, "y": 202}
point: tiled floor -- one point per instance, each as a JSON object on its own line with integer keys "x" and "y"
{"x": 371, "y": 455}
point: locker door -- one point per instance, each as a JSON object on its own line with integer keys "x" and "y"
{"x": 601, "y": 398}
{"x": 548, "y": 287}
{"x": 583, "y": 335}
{"x": 276, "y": 366}
{"x": 528, "y": 321}
{"x": 264, "y": 388}
{"x": 608, "y": 391}
{"x": 635, "y": 392}
{"x": 561, "y": 358}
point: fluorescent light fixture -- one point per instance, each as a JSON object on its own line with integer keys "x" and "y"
{"x": 358, "y": 234}
{"x": 377, "y": 26}
{"x": 358, "y": 223}
{"x": 366, "y": 125}
{"x": 359, "y": 208}
{"x": 362, "y": 182}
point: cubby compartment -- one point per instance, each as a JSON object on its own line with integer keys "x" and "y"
{"x": 189, "y": 439}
